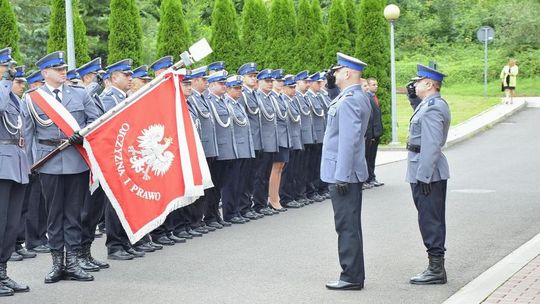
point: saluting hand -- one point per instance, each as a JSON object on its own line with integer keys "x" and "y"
{"x": 342, "y": 188}
{"x": 425, "y": 188}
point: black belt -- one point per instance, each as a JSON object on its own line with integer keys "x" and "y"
{"x": 51, "y": 142}
{"x": 19, "y": 142}
{"x": 413, "y": 148}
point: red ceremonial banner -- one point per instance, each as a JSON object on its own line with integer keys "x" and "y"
{"x": 148, "y": 158}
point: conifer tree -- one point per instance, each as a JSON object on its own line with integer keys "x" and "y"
{"x": 173, "y": 34}
{"x": 9, "y": 33}
{"x": 225, "y": 39}
{"x": 57, "y": 31}
{"x": 125, "y": 32}
{"x": 372, "y": 47}
{"x": 338, "y": 32}
{"x": 319, "y": 37}
{"x": 254, "y": 31}
{"x": 281, "y": 35}
{"x": 306, "y": 53}
{"x": 352, "y": 15}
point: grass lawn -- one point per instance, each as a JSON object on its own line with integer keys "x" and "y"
{"x": 466, "y": 101}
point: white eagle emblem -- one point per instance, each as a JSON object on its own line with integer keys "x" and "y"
{"x": 153, "y": 154}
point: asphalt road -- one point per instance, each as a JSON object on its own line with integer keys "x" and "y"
{"x": 493, "y": 207}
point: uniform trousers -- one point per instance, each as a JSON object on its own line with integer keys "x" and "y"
{"x": 289, "y": 181}
{"x": 319, "y": 186}
{"x": 262, "y": 178}
{"x": 116, "y": 235}
{"x": 212, "y": 195}
{"x": 306, "y": 163}
{"x": 348, "y": 221}
{"x": 194, "y": 213}
{"x": 34, "y": 230}
{"x": 372, "y": 145}
{"x": 180, "y": 220}
{"x": 431, "y": 216}
{"x": 246, "y": 198}
{"x": 93, "y": 207}
{"x": 64, "y": 194}
{"x": 11, "y": 201}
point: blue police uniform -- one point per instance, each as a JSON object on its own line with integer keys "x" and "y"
{"x": 282, "y": 121}
{"x": 344, "y": 166}
{"x": 427, "y": 173}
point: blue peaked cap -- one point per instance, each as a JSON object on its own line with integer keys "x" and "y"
{"x": 5, "y": 55}
{"x": 19, "y": 72}
{"x": 187, "y": 76}
{"x": 427, "y": 72}
{"x": 216, "y": 66}
{"x": 234, "y": 81}
{"x": 199, "y": 72}
{"x": 278, "y": 74}
{"x": 34, "y": 77}
{"x": 220, "y": 76}
{"x": 248, "y": 68}
{"x": 302, "y": 76}
{"x": 120, "y": 66}
{"x": 72, "y": 74}
{"x": 315, "y": 77}
{"x": 90, "y": 67}
{"x": 289, "y": 80}
{"x": 141, "y": 72}
{"x": 162, "y": 63}
{"x": 52, "y": 60}
{"x": 264, "y": 74}
{"x": 349, "y": 62}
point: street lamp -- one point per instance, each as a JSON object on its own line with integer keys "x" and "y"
{"x": 391, "y": 13}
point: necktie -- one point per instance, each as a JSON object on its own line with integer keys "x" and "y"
{"x": 376, "y": 100}
{"x": 56, "y": 92}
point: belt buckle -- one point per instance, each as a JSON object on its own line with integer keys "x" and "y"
{"x": 21, "y": 142}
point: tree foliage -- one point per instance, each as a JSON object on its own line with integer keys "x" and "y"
{"x": 254, "y": 31}
{"x": 57, "y": 31}
{"x": 173, "y": 34}
{"x": 372, "y": 47}
{"x": 225, "y": 38}
{"x": 281, "y": 35}
{"x": 9, "y": 33}
{"x": 125, "y": 32}
{"x": 319, "y": 35}
{"x": 306, "y": 50}
{"x": 352, "y": 16}
{"x": 338, "y": 33}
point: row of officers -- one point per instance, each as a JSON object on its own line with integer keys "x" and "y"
{"x": 261, "y": 131}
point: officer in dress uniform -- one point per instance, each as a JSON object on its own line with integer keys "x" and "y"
{"x": 208, "y": 205}
{"x": 73, "y": 77}
{"x": 427, "y": 170}
{"x": 214, "y": 67}
{"x": 249, "y": 72}
{"x": 316, "y": 189}
{"x": 94, "y": 204}
{"x": 14, "y": 170}
{"x": 289, "y": 182}
{"x": 35, "y": 80}
{"x": 66, "y": 170}
{"x": 269, "y": 140}
{"x": 118, "y": 245}
{"x": 323, "y": 93}
{"x": 281, "y": 158}
{"x": 307, "y": 134}
{"x": 344, "y": 166}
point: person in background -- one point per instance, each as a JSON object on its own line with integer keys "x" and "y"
{"x": 375, "y": 130}
{"x": 509, "y": 80}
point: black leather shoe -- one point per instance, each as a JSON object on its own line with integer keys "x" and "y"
{"x": 257, "y": 214}
{"x": 214, "y": 225}
{"x": 279, "y": 209}
{"x": 272, "y": 210}
{"x": 209, "y": 227}
{"x": 194, "y": 233}
{"x": 73, "y": 271}
{"x": 86, "y": 249}
{"x": 6, "y": 281}
{"x": 316, "y": 198}
{"x": 183, "y": 234}
{"x": 86, "y": 265}
{"x": 434, "y": 274}
{"x": 237, "y": 220}
{"x": 377, "y": 183}
{"x": 266, "y": 212}
{"x": 292, "y": 204}
{"x": 245, "y": 219}
{"x": 342, "y": 285}
{"x": 201, "y": 230}
{"x": 224, "y": 223}
{"x": 250, "y": 215}
{"x": 25, "y": 253}
{"x": 135, "y": 253}
{"x": 155, "y": 246}
{"x": 120, "y": 255}
{"x": 6, "y": 291}
{"x": 176, "y": 239}
{"x": 15, "y": 257}
{"x": 40, "y": 249}
{"x": 57, "y": 271}
{"x": 164, "y": 240}
{"x": 145, "y": 247}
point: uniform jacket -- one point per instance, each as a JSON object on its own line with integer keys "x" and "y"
{"x": 282, "y": 116}
{"x": 111, "y": 98}
{"x": 207, "y": 123}
{"x": 249, "y": 101}
{"x": 77, "y": 101}
{"x": 242, "y": 131}
{"x": 428, "y": 129}
{"x": 318, "y": 115}
{"x": 308, "y": 133}
{"x": 269, "y": 136}
{"x": 294, "y": 122}
{"x": 92, "y": 91}
{"x": 375, "y": 126}
{"x": 224, "y": 127}
{"x": 343, "y": 153}
{"x": 14, "y": 162}
{"x": 323, "y": 94}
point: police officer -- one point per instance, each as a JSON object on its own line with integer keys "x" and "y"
{"x": 344, "y": 167}
{"x": 209, "y": 203}
{"x": 94, "y": 204}
{"x": 66, "y": 170}
{"x": 72, "y": 77}
{"x": 13, "y": 172}
{"x": 249, "y": 72}
{"x": 427, "y": 170}
{"x": 35, "y": 80}
{"x": 289, "y": 181}
{"x": 118, "y": 245}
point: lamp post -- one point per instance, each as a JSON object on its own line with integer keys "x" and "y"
{"x": 391, "y": 13}
{"x": 69, "y": 34}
